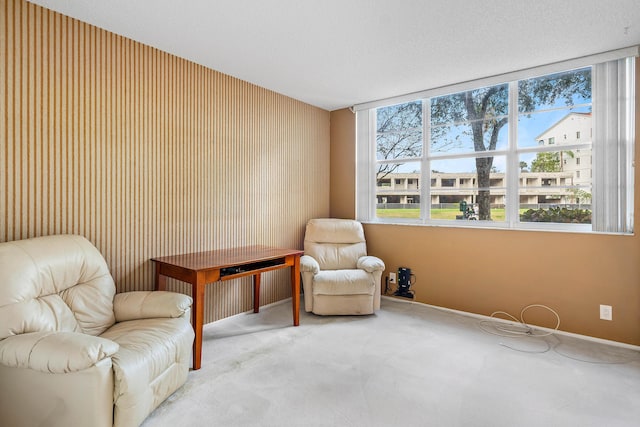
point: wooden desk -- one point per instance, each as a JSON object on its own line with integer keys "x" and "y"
{"x": 202, "y": 268}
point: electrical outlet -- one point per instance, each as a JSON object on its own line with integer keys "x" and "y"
{"x": 392, "y": 277}
{"x": 606, "y": 312}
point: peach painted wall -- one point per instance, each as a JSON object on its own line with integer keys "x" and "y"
{"x": 482, "y": 271}
{"x": 147, "y": 154}
{"x": 343, "y": 163}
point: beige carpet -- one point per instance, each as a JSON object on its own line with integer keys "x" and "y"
{"x": 407, "y": 365}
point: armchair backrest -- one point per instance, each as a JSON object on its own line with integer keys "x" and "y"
{"x": 54, "y": 283}
{"x": 335, "y": 243}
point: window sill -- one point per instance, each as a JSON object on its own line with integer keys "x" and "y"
{"x": 501, "y": 226}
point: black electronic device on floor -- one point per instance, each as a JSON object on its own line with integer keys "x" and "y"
{"x": 404, "y": 283}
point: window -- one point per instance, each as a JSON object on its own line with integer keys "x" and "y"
{"x": 483, "y": 149}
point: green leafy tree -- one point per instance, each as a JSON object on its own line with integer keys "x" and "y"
{"x": 546, "y": 162}
{"x": 550, "y": 161}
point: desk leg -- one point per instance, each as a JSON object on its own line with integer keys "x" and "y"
{"x": 256, "y": 293}
{"x": 161, "y": 281}
{"x": 198, "y": 319}
{"x": 295, "y": 290}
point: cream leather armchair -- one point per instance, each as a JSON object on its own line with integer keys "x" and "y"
{"x": 337, "y": 275}
{"x": 75, "y": 353}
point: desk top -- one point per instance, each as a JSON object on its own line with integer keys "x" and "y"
{"x": 222, "y": 258}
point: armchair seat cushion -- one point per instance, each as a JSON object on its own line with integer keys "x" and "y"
{"x": 343, "y": 282}
{"x": 149, "y": 364}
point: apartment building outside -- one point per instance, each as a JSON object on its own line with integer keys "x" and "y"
{"x": 574, "y": 128}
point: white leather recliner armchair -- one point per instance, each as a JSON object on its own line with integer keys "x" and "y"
{"x": 337, "y": 275}
{"x": 75, "y": 353}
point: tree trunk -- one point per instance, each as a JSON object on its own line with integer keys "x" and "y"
{"x": 478, "y": 121}
{"x": 483, "y": 166}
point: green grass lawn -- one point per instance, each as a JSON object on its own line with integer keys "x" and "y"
{"x": 496, "y": 214}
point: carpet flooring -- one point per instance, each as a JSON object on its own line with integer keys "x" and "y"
{"x": 408, "y": 365}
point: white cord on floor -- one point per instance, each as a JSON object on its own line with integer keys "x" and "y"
{"x": 521, "y": 328}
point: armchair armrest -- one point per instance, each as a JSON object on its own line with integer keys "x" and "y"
{"x": 370, "y": 263}
{"x": 55, "y": 352}
{"x": 309, "y": 264}
{"x": 150, "y": 304}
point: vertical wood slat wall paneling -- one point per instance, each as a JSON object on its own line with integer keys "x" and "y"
{"x": 16, "y": 131}
{"x": 147, "y": 154}
{"x": 4, "y": 119}
{"x": 8, "y": 119}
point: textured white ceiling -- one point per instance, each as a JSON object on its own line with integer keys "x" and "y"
{"x": 336, "y": 53}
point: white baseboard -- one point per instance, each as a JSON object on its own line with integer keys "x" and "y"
{"x": 540, "y": 328}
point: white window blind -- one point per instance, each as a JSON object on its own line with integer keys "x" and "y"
{"x": 613, "y": 107}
